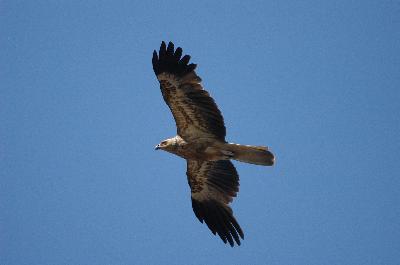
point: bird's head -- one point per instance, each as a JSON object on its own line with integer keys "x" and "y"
{"x": 167, "y": 145}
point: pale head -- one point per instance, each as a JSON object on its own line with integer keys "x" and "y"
{"x": 167, "y": 145}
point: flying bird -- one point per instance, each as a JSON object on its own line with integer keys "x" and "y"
{"x": 200, "y": 140}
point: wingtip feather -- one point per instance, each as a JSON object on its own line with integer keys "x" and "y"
{"x": 219, "y": 220}
{"x": 169, "y": 60}
{"x": 170, "y": 49}
{"x": 185, "y": 60}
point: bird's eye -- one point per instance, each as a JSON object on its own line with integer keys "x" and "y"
{"x": 163, "y": 142}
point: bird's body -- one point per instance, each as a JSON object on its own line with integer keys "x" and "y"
{"x": 214, "y": 150}
{"x": 202, "y": 149}
{"x": 201, "y": 141}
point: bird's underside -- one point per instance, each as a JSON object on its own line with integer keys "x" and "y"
{"x": 201, "y": 141}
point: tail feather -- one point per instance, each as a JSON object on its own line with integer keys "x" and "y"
{"x": 259, "y": 155}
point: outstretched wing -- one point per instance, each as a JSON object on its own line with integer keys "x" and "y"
{"x": 213, "y": 185}
{"x": 194, "y": 110}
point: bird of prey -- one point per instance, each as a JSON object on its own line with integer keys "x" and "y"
{"x": 200, "y": 140}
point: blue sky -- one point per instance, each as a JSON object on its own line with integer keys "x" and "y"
{"x": 81, "y": 112}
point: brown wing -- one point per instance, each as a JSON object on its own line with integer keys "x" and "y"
{"x": 195, "y": 112}
{"x": 213, "y": 185}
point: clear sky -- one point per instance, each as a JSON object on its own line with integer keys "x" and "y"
{"x": 81, "y": 112}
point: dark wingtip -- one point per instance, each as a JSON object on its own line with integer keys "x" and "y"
{"x": 169, "y": 60}
{"x": 178, "y": 53}
{"x": 219, "y": 220}
{"x": 170, "y": 49}
{"x": 155, "y": 57}
{"x": 163, "y": 45}
{"x": 192, "y": 67}
{"x": 185, "y": 59}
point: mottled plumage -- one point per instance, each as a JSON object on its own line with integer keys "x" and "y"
{"x": 201, "y": 141}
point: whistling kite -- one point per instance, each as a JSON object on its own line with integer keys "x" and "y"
{"x": 212, "y": 178}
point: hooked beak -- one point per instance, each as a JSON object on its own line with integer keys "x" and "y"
{"x": 157, "y": 147}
